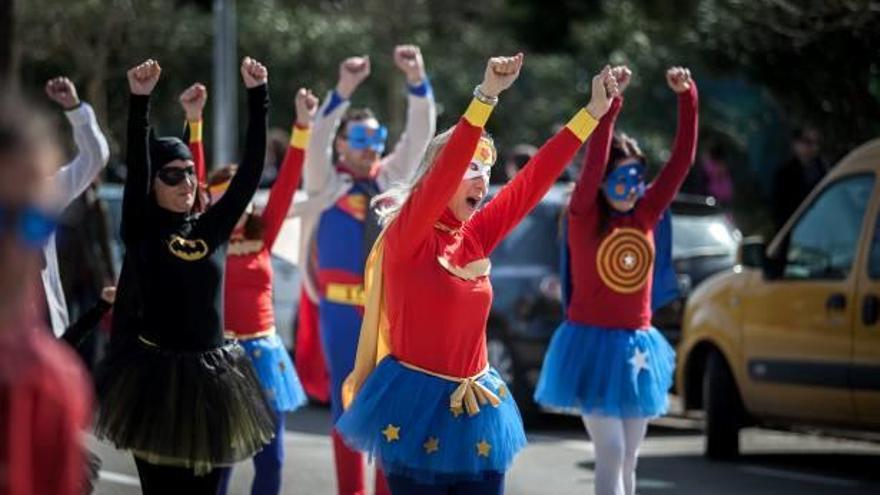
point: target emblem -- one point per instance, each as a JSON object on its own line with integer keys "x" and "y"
{"x": 625, "y": 259}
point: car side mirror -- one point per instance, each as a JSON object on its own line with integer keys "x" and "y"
{"x": 753, "y": 253}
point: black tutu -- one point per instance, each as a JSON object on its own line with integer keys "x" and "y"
{"x": 197, "y": 410}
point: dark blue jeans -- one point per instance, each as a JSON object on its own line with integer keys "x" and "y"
{"x": 491, "y": 484}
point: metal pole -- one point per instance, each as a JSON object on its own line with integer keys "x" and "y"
{"x": 225, "y": 91}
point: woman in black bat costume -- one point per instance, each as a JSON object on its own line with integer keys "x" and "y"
{"x": 184, "y": 401}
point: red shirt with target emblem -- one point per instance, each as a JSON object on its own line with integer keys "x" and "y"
{"x": 611, "y": 270}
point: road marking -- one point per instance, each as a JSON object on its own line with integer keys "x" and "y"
{"x": 122, "y": 479}
{"x": 792, "y": 475}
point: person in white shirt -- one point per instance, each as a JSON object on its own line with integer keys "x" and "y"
{"x": 345, "y": 167}
{"x": 69, "y": 182}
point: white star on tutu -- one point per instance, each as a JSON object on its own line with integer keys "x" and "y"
{"x": 639, "y": 360}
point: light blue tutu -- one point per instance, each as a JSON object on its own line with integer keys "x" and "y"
{"x": 591, "y": 370}
{"x": 433, "y": 444}
{"x": 276, "y": 372}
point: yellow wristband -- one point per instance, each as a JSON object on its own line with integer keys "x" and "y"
{"x": 299, "y": 138}
{"x": 477, "y": 113}
{"x": 195, "y": 131}
{"x": 582, "y": 124}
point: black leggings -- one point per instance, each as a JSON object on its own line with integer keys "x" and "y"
{"x": 164, "y": 480}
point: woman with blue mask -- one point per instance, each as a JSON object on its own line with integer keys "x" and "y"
{"x": 46, "y": 397}
{"x": 606, "y": 362}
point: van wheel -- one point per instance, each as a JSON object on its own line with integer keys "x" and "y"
{"x": 723, "y": 407}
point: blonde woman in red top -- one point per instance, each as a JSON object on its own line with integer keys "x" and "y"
{"x": 433, "y": 412}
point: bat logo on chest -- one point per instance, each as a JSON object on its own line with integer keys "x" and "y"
{"x": 187, "y": 249}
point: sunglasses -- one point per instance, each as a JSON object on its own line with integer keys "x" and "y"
{"x": 30, "y": 225}
{"x": 173, "y": 176}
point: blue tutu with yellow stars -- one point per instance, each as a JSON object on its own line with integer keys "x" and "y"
{"x": 276, "y": 372}
{"x": 591, "y": 370}
{"x": 403, "y": 418}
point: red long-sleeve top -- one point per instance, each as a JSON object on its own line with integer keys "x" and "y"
{"x": 437, "y": 319}
{"x": 248, "y": 311}
{"x": 612, "y": 272}
{"x": 45, "y": 406}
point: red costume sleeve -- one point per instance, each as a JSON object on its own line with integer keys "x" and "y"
{"x": 587, "y": 188}
{"x": 285, "y": 185}
{"x": 662, "y": 191}
{"x": 430, "y": 198}
{"x": 197, "y": 149}
{"x": 518, "y": 198}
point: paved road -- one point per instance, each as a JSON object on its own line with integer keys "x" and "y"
{"x": 559, "y": 461}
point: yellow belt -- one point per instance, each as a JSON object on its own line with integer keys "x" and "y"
{"x": 470, "y": 393}
{"x": 230, "y": 334}
{"x": 351, "y": 294}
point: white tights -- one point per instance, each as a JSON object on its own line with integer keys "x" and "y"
{"x": 616, "y": 442}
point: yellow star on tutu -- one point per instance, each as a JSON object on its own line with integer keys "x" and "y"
{"x": 257, "y": 353}
{"x": 502, "y": 391}
{"x": 391, "y": 433}
{"x": 483, "y": 448}
{"x": 432, "y": 445}
{"x": 281, "y": 366}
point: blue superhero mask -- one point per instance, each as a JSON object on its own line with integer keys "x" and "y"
{"x": 625, "y": 180}
{"x": 361, "y": 137}
{"x": 32, "y": 226}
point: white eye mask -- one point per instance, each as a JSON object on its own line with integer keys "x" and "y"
{"x": 481, "y": 163}
{"x": 476, "y": 169}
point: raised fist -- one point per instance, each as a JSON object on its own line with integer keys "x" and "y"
{"x": 352, "y": 72}
{"x": 306, "y": 105}
{"x": 500, "y": 74}
{"x": 62, "y": 91}
{"x": 679, "y": 79}
{"x": 408, "y": 58}
{"x": 253, "y": 73}
{"x": 142, "y": 78}
{"x": 193, "y": 101}
{"x": 623, "y": 76}
{"x": 603, "y": 89}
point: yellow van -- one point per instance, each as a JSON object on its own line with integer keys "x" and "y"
{"x": 791, "y": 335}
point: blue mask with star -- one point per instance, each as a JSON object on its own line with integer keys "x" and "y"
{"x": 625, "y": 180}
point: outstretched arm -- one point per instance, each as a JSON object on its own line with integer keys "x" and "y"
{"x": 664, "y": 188}
{"x": 92, "y": 150}
{"x": 318, "y": 168}
{"x": 429, "y": 198}
{"x": 193, "y": 102}
{"x": 518, "y": 198}
{"x": 141, "y": 81}
{"x": 217, "y": 223}
{"x": 281, "y": 197}
{"x": 421, "y": 119}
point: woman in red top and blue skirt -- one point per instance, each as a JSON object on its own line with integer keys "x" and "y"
{"x": 433, "y": 412}
{"x": 248, "y": 312}
{"x": 606, "y": 362}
